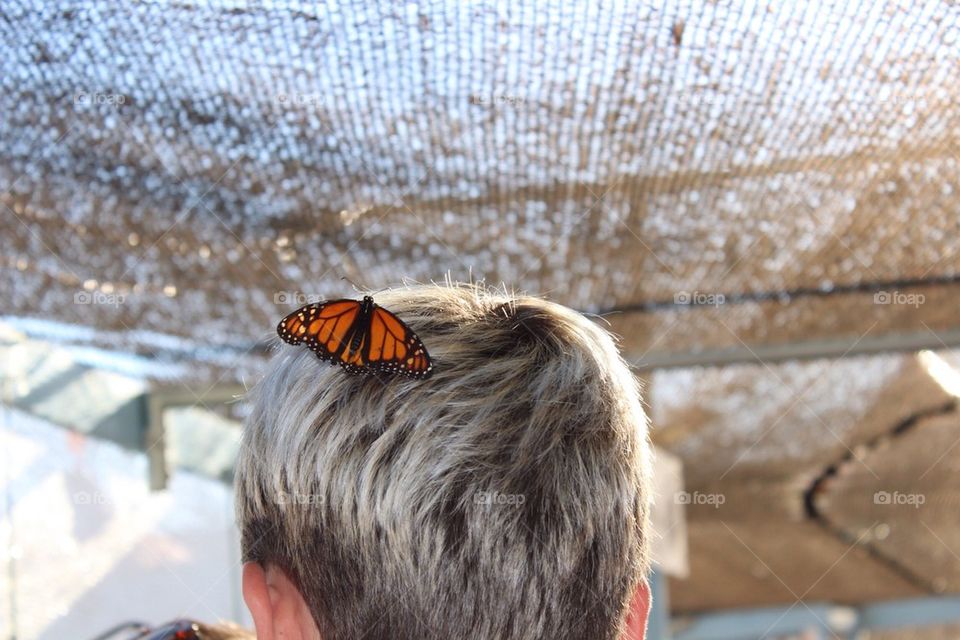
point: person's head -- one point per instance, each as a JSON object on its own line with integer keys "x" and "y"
{"x": 504, "y": 497}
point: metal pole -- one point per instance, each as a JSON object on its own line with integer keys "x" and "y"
{"x": 658, "y": 626}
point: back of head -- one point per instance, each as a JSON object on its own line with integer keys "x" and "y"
{"x": 504, "y": 497}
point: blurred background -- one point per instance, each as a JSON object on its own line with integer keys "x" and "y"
{"x": 759, "y": 198}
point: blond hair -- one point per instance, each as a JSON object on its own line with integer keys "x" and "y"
{"x": 224, "y": 631}
{"x": 505, "y": 497}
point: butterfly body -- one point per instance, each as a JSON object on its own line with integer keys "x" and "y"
{"x": 360, "y": 336}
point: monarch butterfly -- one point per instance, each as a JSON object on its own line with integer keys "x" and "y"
{"x": 362, "y": 337}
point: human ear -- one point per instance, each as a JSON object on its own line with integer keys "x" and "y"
{"x": 276, "y": 604}
{"x": 256, "y": 593}
{"x": 638, "y": 614}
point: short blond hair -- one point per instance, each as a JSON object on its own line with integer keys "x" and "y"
{"x": 505, "y": 497}
{"x": 224, "y": 631}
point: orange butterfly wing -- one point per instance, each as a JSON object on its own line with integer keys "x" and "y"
{"x": 375, "y": 341}
{"x": 325, "y": 327}
{"x": 394, "y": 348}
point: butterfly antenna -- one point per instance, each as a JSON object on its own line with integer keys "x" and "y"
{"x": 356, "y": 287}
{"x": 364, "y": 290}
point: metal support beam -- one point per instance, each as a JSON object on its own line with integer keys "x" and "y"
{"x": 804, "y": 350}
{"x": 917, "y": 612}
{"x": 163, "y": 398}
{"x": 658, "y": 625}
{"x": 822, "y": 620}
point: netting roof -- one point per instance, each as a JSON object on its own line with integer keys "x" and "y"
{"x": 711, "y": 177}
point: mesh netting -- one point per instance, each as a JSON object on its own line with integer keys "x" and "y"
{"x": 178, "y": 175}
{"x": 193, "y": 167}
